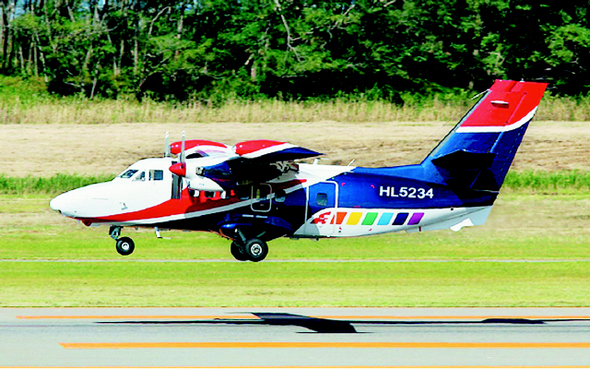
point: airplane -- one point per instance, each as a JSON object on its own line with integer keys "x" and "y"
{"x": 259, "y": 190}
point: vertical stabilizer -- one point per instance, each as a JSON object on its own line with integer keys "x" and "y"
{"x": 478, "y": 152}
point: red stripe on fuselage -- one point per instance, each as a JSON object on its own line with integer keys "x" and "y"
{"x": 174, "y": 207}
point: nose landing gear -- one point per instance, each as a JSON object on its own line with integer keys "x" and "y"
{"x": 125, "y": 245}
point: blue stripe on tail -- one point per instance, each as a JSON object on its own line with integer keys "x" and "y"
{"x": 477, "y": 161}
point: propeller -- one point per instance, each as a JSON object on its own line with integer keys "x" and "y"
{"x": 180, "y": 167}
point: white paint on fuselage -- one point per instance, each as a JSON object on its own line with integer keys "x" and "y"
{"x": 120, "y": 195}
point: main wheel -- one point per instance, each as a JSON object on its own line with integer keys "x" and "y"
{"x": 256, "y": 249}
{"x": 238, "y": 252}
{"x": 125, "y": 246}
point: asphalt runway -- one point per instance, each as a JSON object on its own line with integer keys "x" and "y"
{"x": 300, "y": 337}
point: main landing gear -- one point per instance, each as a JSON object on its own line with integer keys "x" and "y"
{"x": 252, "y": 249}
{"x": 243, "y": 249}
{"x": 125, "y": 245}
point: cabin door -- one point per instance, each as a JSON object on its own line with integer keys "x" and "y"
{"x": 322, "y": 201}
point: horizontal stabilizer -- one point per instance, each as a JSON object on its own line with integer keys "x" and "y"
{"x": 464, "y": 160}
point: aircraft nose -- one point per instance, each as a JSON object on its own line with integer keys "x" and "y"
{"x": 86, "y": 202}
{"x": 61, "y": 204}
{"x": 69, "y": 204}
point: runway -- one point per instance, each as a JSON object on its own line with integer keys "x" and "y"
{"x": 300, "y": 337}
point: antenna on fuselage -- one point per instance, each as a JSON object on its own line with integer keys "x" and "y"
{"x": 167, "y": 152}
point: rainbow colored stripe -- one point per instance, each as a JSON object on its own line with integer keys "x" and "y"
{"x": 373, "y": 218}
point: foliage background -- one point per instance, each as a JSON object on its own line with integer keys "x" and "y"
{"x": 215, "y": 50}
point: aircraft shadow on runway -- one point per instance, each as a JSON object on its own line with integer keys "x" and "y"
{"x": 331, "y": 326}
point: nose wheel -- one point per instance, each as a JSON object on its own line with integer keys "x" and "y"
{"x": 125, "y": 245}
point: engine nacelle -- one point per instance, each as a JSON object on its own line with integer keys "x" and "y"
{"x": 200, "y": 183}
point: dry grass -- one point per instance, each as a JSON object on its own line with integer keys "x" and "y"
{"x": 46, "y": 150}
{"x": 50, "y": 110}
{"x": 83, "y": 111}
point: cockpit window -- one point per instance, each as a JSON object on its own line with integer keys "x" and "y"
{"x": 128, "y": 174}
{"x": 140, "y": 177}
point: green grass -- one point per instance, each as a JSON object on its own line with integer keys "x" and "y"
{"x": 47, "y": 185}
{"x": 568, "y": 181}
{"x": 522, "y": 227}
{"x": 294, "y": 284}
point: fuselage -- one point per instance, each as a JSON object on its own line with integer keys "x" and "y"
{"x": 316, "y": 201}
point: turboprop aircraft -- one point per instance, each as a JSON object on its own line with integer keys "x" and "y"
{"x": 256, "y": 191}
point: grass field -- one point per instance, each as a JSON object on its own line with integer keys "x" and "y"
{"x": 534, "y": 251}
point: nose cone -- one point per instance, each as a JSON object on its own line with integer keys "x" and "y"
{"x": 85, "y": 202}
{"x": 178, "y": 169}
{"x": 64, "y": 204}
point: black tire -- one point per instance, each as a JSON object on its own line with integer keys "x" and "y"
{"x": 256, "y": 249}
{"x": 237, "y": 251}
{"x": 125, "y": 246}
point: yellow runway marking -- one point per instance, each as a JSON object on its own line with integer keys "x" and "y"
{"x": 238, "y": 345}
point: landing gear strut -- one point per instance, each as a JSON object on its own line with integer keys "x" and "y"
{"x": 125, "y": 245}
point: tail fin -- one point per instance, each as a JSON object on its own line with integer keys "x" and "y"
{"x": 478, "y": 152}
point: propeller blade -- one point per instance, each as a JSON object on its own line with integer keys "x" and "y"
{"x": 182, "y": 149}
{"x": 167, "y": 152}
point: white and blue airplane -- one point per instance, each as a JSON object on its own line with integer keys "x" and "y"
{"x": 255, "y": 191}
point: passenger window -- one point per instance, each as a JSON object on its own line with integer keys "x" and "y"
{"x": 322, "y": 199}
{"x": 156, "y": 174}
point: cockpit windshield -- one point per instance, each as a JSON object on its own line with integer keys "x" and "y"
{"x": 142, "y": 175}
{"x": 128, "y": 173}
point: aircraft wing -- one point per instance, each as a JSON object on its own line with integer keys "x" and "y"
{"x": 216, "y": 167}
{"x": 259, "y": 161}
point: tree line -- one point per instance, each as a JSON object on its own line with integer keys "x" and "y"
{"x": 292, "y": 49}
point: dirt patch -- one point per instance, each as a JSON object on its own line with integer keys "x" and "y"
{"x": 48, "y": 149}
